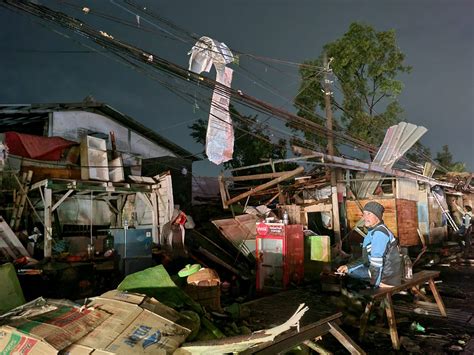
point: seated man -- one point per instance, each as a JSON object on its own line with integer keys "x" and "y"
{"x": 380, "y": 263}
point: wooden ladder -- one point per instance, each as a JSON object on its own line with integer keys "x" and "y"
{"x": 20, "y": 200}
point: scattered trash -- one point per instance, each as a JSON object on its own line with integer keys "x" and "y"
{"x": 419, "y": 310}
{"x": 219, "y": 138}
{"x": 189, "y": 270}
{"x": 86, "y": 10}
{"x": 415, "y": 326}
{"x": 456, "y": 348}
{"x": 409, "y": 345}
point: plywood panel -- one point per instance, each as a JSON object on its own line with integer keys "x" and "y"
{"x": 407, "y": 222}
{"x": 354, "y": 214}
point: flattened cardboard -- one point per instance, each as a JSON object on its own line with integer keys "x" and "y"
{"x": 57, "y": 329}
{"x": 15, "y": 342}
{"x": 121, "y": 315}
{"x": 117, "y": 295}
{"x": 149, "y": 334}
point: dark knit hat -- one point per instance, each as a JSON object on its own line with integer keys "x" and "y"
{"x": 376, "y": 208}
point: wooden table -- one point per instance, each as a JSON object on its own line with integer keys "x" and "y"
{"x": 386, "y": 294}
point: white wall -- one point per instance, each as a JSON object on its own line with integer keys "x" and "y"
{"x": 70, "y": 124}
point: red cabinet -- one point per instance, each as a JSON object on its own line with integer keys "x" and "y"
{"x": 280, "y": 255}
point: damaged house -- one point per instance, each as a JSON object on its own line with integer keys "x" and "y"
{"x": 72, "y": 172}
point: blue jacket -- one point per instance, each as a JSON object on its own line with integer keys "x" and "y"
{"x": 380, "y": 254}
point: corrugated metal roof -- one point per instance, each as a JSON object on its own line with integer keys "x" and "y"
{"x": 398, "y": 140}
{"x": 12, "y": 114}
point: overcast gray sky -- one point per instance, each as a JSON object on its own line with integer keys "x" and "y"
{"x": 38, "y": 66}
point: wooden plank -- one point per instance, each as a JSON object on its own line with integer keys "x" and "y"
{"x": 20, "y": 200}
{"x": 287, "y": 175}
{"x": 392, "y": 323}
{"x": 416, "y": 291}
{"x": 43, "y": 173}
{"x": 316, "y": 347}
{"x": 345, "y": 339}
{"x": 407, "y": 222}
{"x": 154, "y": 213}
{"x": 11, "y": 240}
{"x": 294, "y": 337}
{"x": 48, "y": 230}
{"x": 142, "y": 179}
{"x": 61, "y": 200}
{"x": 437, "y": 296}
{"x": 255, "y": 177}
{"x": 364, "y": 319}
{"x": 6, "y": 250}
{"x": 418, "y": 279}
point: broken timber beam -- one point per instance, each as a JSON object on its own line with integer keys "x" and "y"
{"x": 285, "y": 176}
{"x": 358, "y": 165}
{"x": 292, "y": 338}
{"x": 255, "y": 177}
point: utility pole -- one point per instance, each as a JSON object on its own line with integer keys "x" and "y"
{"x": 330, "y": 147}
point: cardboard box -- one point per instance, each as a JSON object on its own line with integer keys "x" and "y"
{"x": 115, "y": 323}
{"x": 49, "y": 332}
{"x": 135, "y": 326}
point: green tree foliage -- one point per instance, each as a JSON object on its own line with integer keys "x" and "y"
{"x": 445, "y": 159}
{"x": 252, "y": 143}
{"x": 365, "y": 64}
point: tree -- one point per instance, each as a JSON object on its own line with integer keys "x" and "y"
{"x": 365, "y": 64}
{"x": 445, "y": 159}
{"x": 252, "y": 143}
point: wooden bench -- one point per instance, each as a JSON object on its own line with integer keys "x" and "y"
{"x": 386, "y": 294}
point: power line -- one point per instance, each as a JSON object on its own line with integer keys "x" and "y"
{"x": 122, "y": 49}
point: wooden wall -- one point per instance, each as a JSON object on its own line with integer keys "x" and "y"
{"x": 400, "y": 216}
{"x": 407, "y": 221}
{"x": 354, "y": 214}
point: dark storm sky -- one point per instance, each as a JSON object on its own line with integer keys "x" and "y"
{"x": 436, "y": 36}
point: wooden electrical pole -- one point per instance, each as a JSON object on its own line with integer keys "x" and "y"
{"x": 330, "y": 147}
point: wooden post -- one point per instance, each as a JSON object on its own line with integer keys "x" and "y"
{"x": 120, "y": 203}
{"x": 392, "y": 323}
{"x": 345, "y": 339}
{"x": 154, "y": 202}
{"x": 316, "y": 347}
{"x": 330, "y": 147}
{"x": 48, "y": 230}
{"x": 281, "y": 198}
{"x": 364, "y": 319}
{"x": 222, "y": 190}
{"x": 437, "y": 296}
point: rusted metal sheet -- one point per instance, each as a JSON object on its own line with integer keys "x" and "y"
{"x": 239, "y": 229}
